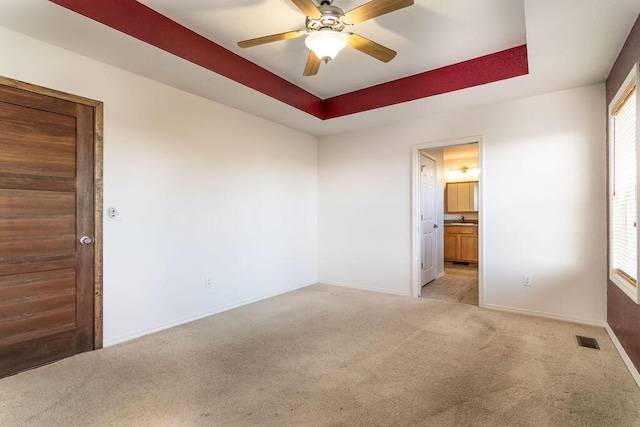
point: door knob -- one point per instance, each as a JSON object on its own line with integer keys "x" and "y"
{"x": 85, "y": 240}
{"x": 435, "y": 225}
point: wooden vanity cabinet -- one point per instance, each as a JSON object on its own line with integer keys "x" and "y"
{"x": 469, "y": 248}
{"x": 451, "y": 246}
{"x": 461, "y": 243}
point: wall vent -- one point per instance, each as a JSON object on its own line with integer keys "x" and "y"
{"x": 588, "y": 342}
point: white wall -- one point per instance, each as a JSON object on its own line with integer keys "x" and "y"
{"x": 543, "y": 202}
{"x": 204, "y": 190}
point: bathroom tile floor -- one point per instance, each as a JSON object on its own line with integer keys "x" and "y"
{"x": 459, "y": 284}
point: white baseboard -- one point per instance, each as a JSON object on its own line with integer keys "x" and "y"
{"x": 624, "y": 355}
{"x": 441, "y": 274}
{"x": 201, "y": 315}
{"x": 572, "y": 319}
{"x": 364, "y": 288}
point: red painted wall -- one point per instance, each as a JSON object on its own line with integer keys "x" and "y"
{"x": 623, "y": 314}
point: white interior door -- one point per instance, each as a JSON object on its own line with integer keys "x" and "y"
{"x": 428, "y": 224}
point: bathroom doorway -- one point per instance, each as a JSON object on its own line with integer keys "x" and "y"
{"x": 447, "y": 212}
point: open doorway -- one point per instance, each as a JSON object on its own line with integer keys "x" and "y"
{"x": 447, "y": 211}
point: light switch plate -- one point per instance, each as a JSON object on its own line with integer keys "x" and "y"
{"x": 113, "y": 214}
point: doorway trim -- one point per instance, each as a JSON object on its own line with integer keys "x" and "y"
{"x": 415, "y": 207}
{"x": 98, "y": 190}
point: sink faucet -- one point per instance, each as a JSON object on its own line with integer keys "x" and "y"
{"x": 461, "y": 219}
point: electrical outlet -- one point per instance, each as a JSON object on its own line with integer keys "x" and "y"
{"x": 526, "y": 280}
{"x": 207, "y": 282}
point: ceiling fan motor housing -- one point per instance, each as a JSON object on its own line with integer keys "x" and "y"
{"x": 331, "y": 19}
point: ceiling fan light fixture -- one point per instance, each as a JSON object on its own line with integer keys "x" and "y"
{"x": 326, "y": 43}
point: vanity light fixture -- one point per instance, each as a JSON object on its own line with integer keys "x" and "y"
{"x": 463, "y": 173}
{"x": 464, "y": 170}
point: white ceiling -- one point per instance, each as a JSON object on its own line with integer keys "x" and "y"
{"x": 428, "y": 35}
{"x": 570, "y": 43}
{"x": 463, "y": 151}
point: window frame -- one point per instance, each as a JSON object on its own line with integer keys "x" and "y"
{"x": 627, "y": 287}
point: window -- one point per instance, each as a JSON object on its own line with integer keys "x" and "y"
{"x": 623, "y": 187}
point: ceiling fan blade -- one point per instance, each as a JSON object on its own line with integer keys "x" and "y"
{"x": 374, "y": 9}
{"x": 313, "y": 65}
{"x": 271, "y": 38}
{"x": 309, "y": 8}
{"x": 371, "y": 48}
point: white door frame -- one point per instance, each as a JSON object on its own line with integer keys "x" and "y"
{"x": 415, "y": 208}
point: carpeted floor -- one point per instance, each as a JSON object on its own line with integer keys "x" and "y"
{"x": 328, "y": 356}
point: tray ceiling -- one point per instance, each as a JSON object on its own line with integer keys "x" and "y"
{"x": 568, "y": 44}
{"x": 428, "y": 35}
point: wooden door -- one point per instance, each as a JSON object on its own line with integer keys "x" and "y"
{"x": 451, "y": 247}
{"x": 452, "y": 197}
{"x": 469, "y": 248}
{"x": 46, "y": 206}
{"x": 463, "y": 197}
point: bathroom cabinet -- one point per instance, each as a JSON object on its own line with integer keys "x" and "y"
{"x": 461, "y": 197}
{"x": 461, "y": 243}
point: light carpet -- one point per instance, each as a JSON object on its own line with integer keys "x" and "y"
{"x": 329, "y": 356}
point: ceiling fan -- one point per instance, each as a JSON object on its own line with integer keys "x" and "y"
{"x": 324, "y": 31}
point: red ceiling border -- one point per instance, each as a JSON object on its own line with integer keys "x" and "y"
{"x": 474, "y": 72}
{"x": 145, "y": 24}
